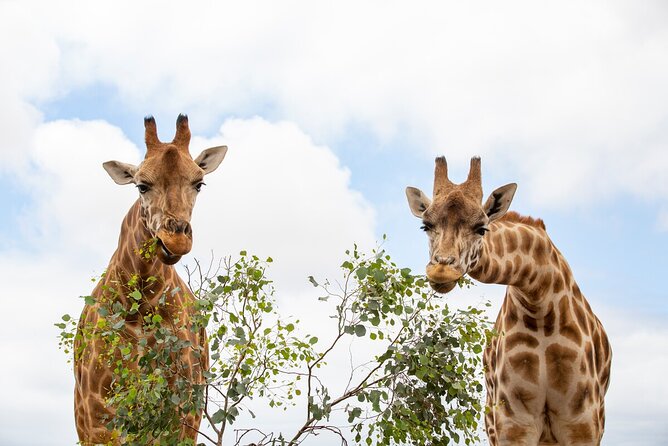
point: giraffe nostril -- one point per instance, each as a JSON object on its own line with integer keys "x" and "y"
{"x": 188, "y": 230}
{"x": 182, "y": 227}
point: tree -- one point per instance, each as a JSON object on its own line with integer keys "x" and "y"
{"x": 424, "y": 387}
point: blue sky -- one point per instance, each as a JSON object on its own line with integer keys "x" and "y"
{"x": 329, "y": 112}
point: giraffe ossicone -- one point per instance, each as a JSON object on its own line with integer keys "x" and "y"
{"x": 548, "y": 370}
{"x": 168, "y": 181}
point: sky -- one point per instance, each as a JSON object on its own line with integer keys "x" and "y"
{"x": 329, "y": 110}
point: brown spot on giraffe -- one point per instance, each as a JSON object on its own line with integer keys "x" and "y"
{"x": 511, "y": 237}
{"x": 526, "y": 365}
{"x": 556, "y": 367}
{"x": 581, "y": 318}
{"x": 580, "y": 433}
{"x": 493, "y": 269}
{"x": 559, "y": 361}
{"x": 514, "y": 433}
{"x": 548, "y": 320}
{"x": 530, "y": 322}
{"x": 557, "y": 284}
{"x": 531, "y": 280}
{"x": 526, "y": 240}
{"x": 519, "y": 338}
{"x": 583, "y": 394}
{"x": 567, "y": 326}
{"x": 168, "y": 181}
{"x": 511, "y": 317}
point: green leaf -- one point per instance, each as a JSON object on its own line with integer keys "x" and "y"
{"x": 118, "y": 324}
{"x": 134, "y": 308}
{"x": 362, "y": 272}
{"x": 218, "y": 416}
{"x": 360, "y": 330}
{"x": 313, "y": 340}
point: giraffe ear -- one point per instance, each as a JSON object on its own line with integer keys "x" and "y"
{"x": 210, "y": 159}
{"x": 121, "y": 173}
{"x": 417, "y": 201}
{"x": 498, "y": 202}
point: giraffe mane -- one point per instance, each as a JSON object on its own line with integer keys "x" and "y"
{"x": 513, "y": 216}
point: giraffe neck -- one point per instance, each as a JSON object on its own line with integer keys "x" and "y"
{"x": 128, "y": 261}
{"x": 523, "y": 257}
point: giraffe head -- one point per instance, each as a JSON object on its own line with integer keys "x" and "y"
{"x": 168, "y": 181}
{"x": 456, "y": 222}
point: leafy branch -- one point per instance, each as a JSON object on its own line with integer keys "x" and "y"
{"x": 423, "y": 386}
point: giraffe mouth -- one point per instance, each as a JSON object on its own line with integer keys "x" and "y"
{"x": 173, "y": 245}
{"x": 165, "y": 255}
{"x": 442, "y": 278}
{"x": 442, "y": 287}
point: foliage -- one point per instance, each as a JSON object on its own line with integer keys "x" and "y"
{"x": 253, "y": 349}
{"x": 153, "y": 390}
{"x": 423, "y": 387}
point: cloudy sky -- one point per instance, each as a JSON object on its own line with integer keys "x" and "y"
{"x": 329, "y": 110}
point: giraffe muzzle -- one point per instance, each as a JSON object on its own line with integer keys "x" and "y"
{"x": 174, "y": 244}
{"x": 442, "y": 278}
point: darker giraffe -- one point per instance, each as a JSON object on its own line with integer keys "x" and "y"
{"x": 168, "y": 181}
{"x": 548, "y": 370}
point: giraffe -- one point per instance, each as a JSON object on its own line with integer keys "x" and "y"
{"x": 168, "y": 181}
{"x": 548, "y": 370}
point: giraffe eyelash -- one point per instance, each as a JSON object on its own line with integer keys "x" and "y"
{"x": 426, "y": 226}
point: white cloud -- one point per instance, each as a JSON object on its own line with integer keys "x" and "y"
{"x": 637, "y": 401}
{"x": 77, "y": 208}
{"x": 570, "y": 95}
{"x": 30, "y": 63}
{"x": 37, "y": 384}
{"x": 278, "y": 194}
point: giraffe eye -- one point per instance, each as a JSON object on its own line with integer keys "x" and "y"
{"x": 143, "y": 188}
{"x": 480, "y": 230}
{"x": 199, "y": 185}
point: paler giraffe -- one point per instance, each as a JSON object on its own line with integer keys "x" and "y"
{"x": 548, "y": 369}
{"x": 168, "y": 181}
